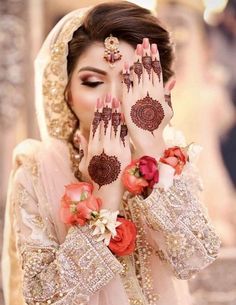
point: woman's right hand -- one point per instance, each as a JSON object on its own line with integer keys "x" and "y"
{"x": 107, "y": 152}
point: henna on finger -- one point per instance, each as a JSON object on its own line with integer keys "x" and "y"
{"x": 123, "y": 132}
{"x": 127, "y": 81}
{"x": 116, "y": 120}
{"x": 106, "y": 117}
{"x": 157, "y": 68}
{"x": 147, "y": 113}
{"x": 147, "y": 64}
{"x": 104, "y": 169}
{"x": 138, "y": 69}
{"x": 168, "y": 100}
{"x": 96, "y": 121}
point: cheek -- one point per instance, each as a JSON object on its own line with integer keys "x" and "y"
{"x": 83, "y": 101}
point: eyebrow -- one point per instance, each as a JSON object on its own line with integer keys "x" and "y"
{"x": 96, "y": 70}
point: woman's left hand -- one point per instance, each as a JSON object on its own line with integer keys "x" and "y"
{"x": 146, "y": 103}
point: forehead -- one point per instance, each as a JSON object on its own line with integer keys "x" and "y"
{"x": 94, "y": 55}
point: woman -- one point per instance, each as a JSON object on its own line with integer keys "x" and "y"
{"x": 103, "y": 100}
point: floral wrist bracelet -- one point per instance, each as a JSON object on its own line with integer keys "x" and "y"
{"x": 146, "y": 172}
{"x": 80, "y": 207}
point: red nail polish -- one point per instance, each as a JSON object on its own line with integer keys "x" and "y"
{"x": 145, "y": 43}
{"x": 154, "y": 48}
{"x": 139, "y": 49}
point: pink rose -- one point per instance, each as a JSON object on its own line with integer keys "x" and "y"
{"x": 175, "y": 157}
{"x": 132, "y": 179}
{"x": 148, "y": 170}
{"x": 78, "y": 203}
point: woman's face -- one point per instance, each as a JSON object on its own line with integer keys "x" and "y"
{"x": 93, "y": 78}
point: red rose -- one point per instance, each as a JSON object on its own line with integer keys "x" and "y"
{"x": 175, "y": 157}
{"x": 148, "y": 169}
{"x": 78, "y": 203}
{"x": 132, "y": 179}
{"x": 124, "y": 241}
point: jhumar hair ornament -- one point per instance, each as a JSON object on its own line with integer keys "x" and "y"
{"x": 112, "y": 53}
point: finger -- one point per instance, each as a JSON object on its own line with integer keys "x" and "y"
{"x": 127, "y": 87}
{"x": 116, "y": 118}
{"x": 156, "y": 68}
{"x": 147, "y": 63}
{"x": 138, "y": 67}
{"x": 81, "y": 144}
{"x": 95, "y": 126}
{"x": 123, "y": 131}
{"x": 168, "y": 87}
{"x": 106, "y": 118}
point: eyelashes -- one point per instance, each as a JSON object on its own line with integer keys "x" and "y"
{"x": 91, "y": 84}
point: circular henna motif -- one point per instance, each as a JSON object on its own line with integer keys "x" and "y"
{"x": 147, "y": 64}
{"x": 138, "y": 69}
{"x": 104, "y": 169}
{"x": 147, "y": 113}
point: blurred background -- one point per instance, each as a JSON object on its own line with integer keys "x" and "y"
{"x": 204, "y": 100}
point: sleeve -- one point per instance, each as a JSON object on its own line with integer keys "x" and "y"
{"x": 57, "y": 274}
{"x": 180, "y": 227}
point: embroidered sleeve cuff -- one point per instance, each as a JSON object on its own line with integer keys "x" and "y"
{"x": 77, "y": 269}
{"x": 190, "y": 241}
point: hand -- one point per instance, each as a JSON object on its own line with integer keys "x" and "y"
{"x": 107, "y": 152}
{"x": 146, "y": 104}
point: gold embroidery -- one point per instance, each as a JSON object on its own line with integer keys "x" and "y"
{"x": 187, "y": 231}
{"x": 142, "y": 253}
{"x": 60, "y": 119}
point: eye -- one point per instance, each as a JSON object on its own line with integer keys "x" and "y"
{"x": 91, "y": 84}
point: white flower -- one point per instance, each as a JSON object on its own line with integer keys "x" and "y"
{"x": 105, "y": 225}
{"x": 166, "y": 176}
{"x": 194, "y": 152}
{"x": 174, "y": 137}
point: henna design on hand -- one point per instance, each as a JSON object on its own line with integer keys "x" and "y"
{"x": 104, "y": 169}
{"x": 147, "y": 64}
{"x": 96, "y": 121}
{"x": 138, "y": 69}
{"x": 157, "y": 68}
{"x": 123, "y": 132}
{"x": 116, "y": 120}
{"x": 147, "y": 113}
{"x": 106, "y": 117}
{"x": 127, "y": 81}
{"x": 168, "y": 100}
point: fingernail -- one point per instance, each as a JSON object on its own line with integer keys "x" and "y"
{"x": 108, "y": 98}
{"x": 115, "y": 103}
{"x": 126, "y": 65}
{"x": 139, "y": 49}
{"x": 172, "y": 84}
{"x": 145, "y": 43}
{"x": 154, "y": 48}
{"x": 99, "y": 103}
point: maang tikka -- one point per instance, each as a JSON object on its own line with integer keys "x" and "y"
{"x": 112, "y": 53}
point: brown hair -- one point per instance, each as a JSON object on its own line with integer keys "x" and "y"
{"x": 126, "y": 21}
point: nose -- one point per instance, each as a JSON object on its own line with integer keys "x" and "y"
{"x": 116, "y": 89}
